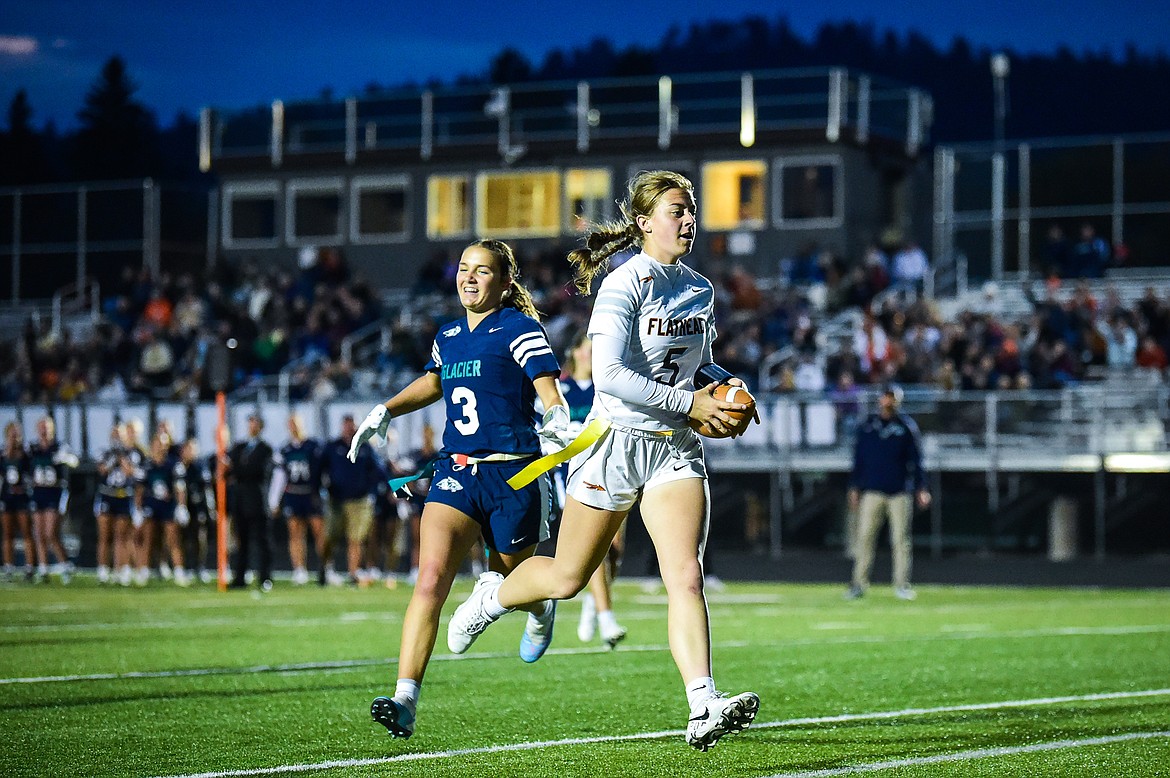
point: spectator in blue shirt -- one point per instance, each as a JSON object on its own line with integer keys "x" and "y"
{"x": 887, "y": 473}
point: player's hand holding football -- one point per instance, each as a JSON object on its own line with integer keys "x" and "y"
{"x": 711, "y": 411}
{"x": 377, "y": 422}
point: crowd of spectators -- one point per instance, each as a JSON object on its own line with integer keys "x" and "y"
{"x": 155, "y": 333}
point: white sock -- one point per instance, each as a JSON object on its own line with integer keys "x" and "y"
{"x": 699, "y": 690}
{"x": 606, "y": 620}
{"x": 587, "y": 601}
{"x": 491, "y": 604}
{"x": 406, "y": 692}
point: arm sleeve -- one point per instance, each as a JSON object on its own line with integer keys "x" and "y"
{"x": 611, "y": 376}
{"x": 276, "y": 488}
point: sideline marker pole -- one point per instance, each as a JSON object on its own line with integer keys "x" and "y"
{"x": 221, "y": 434}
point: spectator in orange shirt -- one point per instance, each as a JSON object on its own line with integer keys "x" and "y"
{"x": 158, "y": 310}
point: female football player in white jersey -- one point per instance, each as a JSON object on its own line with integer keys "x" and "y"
{"x": 652, "y": 328}
{"x": 489, "y": 367}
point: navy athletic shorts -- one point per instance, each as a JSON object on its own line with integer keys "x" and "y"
{"x": 114, "y": 506}
{"x": 510, "y": 519}
{"x": 300, "y": 506}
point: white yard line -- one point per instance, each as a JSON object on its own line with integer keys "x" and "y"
{"x": 872, "y": 716}
{"x": 346, "y": 665}
{"x": 980, "y": 753}
{"x": 341, "y": 665}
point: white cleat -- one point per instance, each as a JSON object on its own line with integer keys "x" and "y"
{"x": 721, "y": 715}
{"x": 611, "y": 635}
{"x": 300, "y": 576}
{"x": 182, "y": 578}
{"x": 469, "y": 619}
{"x": 587, "y": 626}
{"x": 905, "y": 593}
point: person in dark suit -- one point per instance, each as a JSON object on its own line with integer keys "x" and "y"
{"x": 249, "y": 468}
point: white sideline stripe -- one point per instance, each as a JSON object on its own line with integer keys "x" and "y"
{"x": 190, "y": 624}
{"x": 979, "y": 753}
{"x": 342, "y": 665}
{"x": 877, "y": 715}
{"x": 345, "y": 665}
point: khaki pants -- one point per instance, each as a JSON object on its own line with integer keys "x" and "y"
{"x": 350, "y": 519}
{"x": 875, "y": 507}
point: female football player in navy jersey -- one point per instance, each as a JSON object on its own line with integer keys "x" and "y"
{"x": 116, "y": 467}
{"x": 298, "y": 466}
{"x": 652, "y": 329}
{"x": 50, "y": 463}
{"x": 162, "y": 500}
{"x": 489, "y": 367}
{"x": 14, "y": 472}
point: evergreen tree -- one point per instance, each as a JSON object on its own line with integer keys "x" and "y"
{"x": 118, "y": 137}
{"x": 22, "y": 154}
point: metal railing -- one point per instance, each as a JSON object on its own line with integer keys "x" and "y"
{"x": 832, "y": 101}
{"x": 993, "y": 205}
{"x": 73, "y": 299}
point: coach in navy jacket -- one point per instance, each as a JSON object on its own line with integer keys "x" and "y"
{"x": 887, "y": 472}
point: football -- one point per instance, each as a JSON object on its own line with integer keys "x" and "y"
{"x": 735, "y": 394}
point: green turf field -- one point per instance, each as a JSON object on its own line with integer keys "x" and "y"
{"x": 962, "y": 682}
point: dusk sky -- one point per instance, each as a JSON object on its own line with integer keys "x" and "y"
{"x": 233, "y": 54}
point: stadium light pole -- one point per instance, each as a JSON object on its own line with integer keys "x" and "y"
{"x": 1000, "y": 67}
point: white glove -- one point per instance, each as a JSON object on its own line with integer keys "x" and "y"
{"x": 137, "y": 517}
{"x": 555, "y": 427}
{"x": 182, "y": 515}
{"x": 377, "y": 422}
{"x": 63, "y": 503}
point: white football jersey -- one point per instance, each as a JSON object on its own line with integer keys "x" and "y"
{"x": 665, "y": 316}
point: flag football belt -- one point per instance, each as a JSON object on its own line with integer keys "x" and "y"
{"x": 462, "y": 460}
{"x": 398, "y": 485}
{"x": 593, "y": 432}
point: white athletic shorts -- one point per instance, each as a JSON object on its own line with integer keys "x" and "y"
{"x": 612, "y": 474}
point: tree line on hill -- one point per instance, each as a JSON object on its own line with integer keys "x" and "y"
{"x": 1057, "y": 94}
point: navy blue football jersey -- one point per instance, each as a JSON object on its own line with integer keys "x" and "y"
{"x": 487, "y": 382}
{"x": 117, "y": 467}
{"x": 159, "y": 480}
{"x": 578, "y": 396}
{"x": 301, "y": 462}
{"x": 15, "y": 473}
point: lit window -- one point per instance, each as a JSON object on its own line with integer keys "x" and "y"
{"x": 587, "y": 197}
{"x": 379, "y": 209}
{"x": 249, "y": 214}
{"x": 314, "y": 211}
{"x": 809, "y": 191}
{"x": 732, "y": 195}
{"x": 518, "y": 205}
{"x": 448, "y": 207}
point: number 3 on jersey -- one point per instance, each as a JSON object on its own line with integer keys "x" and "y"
{"x": 464, "y": 397}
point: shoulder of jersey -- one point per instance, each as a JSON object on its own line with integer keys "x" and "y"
{"x": 514, "y": 320}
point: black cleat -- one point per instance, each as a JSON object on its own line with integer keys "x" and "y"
{"x": 394, "y": 716}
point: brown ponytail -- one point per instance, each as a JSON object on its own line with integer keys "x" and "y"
{"x": 608, "y": 238}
